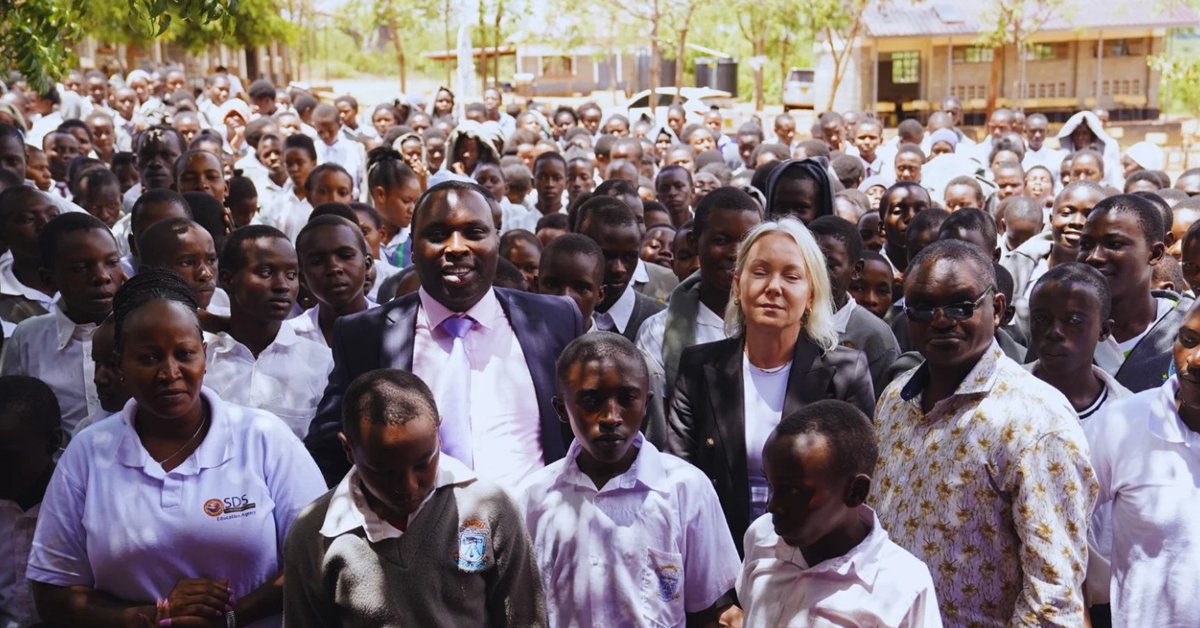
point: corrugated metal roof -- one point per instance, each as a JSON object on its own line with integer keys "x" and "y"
{"x": 908, "y": 18}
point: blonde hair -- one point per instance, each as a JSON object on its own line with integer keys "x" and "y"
{"x": 817, "y": 322}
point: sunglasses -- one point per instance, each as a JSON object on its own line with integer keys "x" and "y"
{"x": 955, "y": 311}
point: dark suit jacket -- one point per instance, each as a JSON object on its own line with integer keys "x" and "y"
{"x": 383, "y": 338}
{"x": 707, "y": 426}
{"x": 643, "y": 307}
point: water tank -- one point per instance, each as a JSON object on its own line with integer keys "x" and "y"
{"x": 704, "y": 72}
{"x": 727, "y": 76}
{"x": 667, "y": 75}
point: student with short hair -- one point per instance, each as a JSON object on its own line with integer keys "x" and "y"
{"x": 100, "y": 195}
{"x": 1123, "y": 239}
{"x": 684, "y": 260}
{"x": 186, "y": 247}
{"x": 596, "y": 562}
{"x": 674, "y": 188}
{"x": 241, "y": 197}
{"x": 334, "y": 261}
{"x": 872, "y": 285}
{"x": 572, "y": 265}
{"x": 964, "y": 191}
{"x": 900, "y": 203}
{"x": 31, "y": 433}
{"x": 293, "y": 207}
{"x": 523, "y": 250}
{"x": 407, "y": 520}
{"x": 857, "y": 328}
{"x": 336, "y": 148}
{"x": 111, "y": 389}
{"x": 183, "y": 464}
{"x": 24, "y": 291}
{"x": 820, "y": 554}
{"x": 84, "y": 267}
{"x": 611, "y": 224}
{"x": 259, "y": 362}
{"x": 1019, "y": 218}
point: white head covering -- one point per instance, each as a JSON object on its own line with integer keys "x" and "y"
{"x": 137, "y": 74}
{"x": 1147, "y": 155}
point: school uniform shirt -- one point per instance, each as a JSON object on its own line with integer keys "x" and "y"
{"x": 709, "y": 327}
{"x": 1110, "y": 354}
{"x": 17, "y": 300}
{"x": 291, "y": 214}
{"x": 398, "y": 251}
{"x": 875, "y": 168}
{"x": 56, "y": 350}
{"x": 1146, "y": 462}
{"x": 646, "y": 549}
{"x": 121, "y": 230}
{"x": 114, "y": 520}
{"x": 16, "y": 539}
{"x": 347, "y": 154}
{"x": 992, "y": 489}
{"x": 1047, "y": 157}
{"x": 269, "y": 194}
{"x": 617, "y": 317}
{"x": 287, "y": 379}
{"x": 307, "y": 324}
{"x": 252, "y": 169}
{"x": 91, "y": 420}
{"x": 506, "y": 424}
{"x": 877, "y": 583}
{"x": 130, "y": 197}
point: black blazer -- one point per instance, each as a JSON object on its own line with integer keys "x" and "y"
{"x": 707, "y": 426}
{"x": 383, "y": 338}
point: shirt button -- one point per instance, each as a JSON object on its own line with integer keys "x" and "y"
{"x": 710, "y": 442}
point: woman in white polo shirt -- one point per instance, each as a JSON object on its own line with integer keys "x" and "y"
{"x": 176, "y": 507}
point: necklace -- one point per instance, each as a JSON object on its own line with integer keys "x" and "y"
{"x": 164, "y": 461}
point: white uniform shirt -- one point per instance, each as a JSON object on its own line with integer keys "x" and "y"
{"x": 16, "y": 538}
{"x": 645, "y": 550}
{"x": 347, "y": 154}
{"x": 1147, "y": 461}
{"x": 290, "y": 215}
{"x": 307, "y": 324}
{"x": 54, "y": 349}
{"x": 877, "y": 583}
{"x": 287, "y": 379}
{"x": 709, "y": 327}
{"x": 11, "y": 286}
{"x": 113, "y": 520}
{"x": 618, "y": 315}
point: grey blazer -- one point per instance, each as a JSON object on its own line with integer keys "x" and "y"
{"x": 662, "y": 282}
{"x": 1147, "y": 365}
{"x": 869, "y": 334}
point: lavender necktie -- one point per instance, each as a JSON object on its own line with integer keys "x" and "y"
{"x": 455, "y": 398}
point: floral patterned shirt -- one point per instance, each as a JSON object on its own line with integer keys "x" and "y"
{"x": 992, "y": 489}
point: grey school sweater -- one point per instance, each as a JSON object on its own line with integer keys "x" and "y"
{"x": 415, "y": 580}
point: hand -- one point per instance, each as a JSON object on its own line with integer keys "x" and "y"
{"x": 419, "y": 167}
{"x": 732, "y": 617}
{"x": 198, "y": 598}
{"x": 458, "y": 168}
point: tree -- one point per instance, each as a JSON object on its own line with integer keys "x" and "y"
{"x": 660, "y": 15}
{"x": 770, "y": 27}
{"x": 1009, "y": 23}
{"x": 37, "y": 35}
{"x": 1180, "y": 79}
{"x": 838, "y": 25}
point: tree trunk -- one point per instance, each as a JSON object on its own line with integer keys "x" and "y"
{"x": 398, "y": 47}
{"x": 446, "y": 33}
{"x": 837, "y": 68}
{"x": 496, "y": 43}
{"x": 994, "y": 78}
{"x": 758, "y": 49}
{"x": 679, "y": 52}
{"x": 483, "y": 65}
{"x": 655, "y": 56}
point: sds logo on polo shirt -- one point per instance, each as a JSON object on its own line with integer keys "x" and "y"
{"x": 229, "y": 507}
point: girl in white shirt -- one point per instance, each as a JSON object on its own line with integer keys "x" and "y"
{"x": 176, "y": 507}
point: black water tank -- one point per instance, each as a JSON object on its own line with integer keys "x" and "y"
{"x": 667, "y": 76}
{"x": 727, "y": 76}
{"x": 704, "y": 72}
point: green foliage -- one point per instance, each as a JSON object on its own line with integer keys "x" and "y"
{"x": 36, "y": 35}
{"x": 1180, "y": 80}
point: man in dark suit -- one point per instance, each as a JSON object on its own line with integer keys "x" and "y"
{"x": 614, "y": 227}
{"x": 487, "y": 353}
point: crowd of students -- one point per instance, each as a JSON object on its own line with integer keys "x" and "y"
{"x": 268, "y": 360}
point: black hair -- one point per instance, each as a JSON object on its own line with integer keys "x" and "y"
{"x": 970, "y": 219}
{"x": 669, "y": 169}
{"x": 841, "y": 229}
{"x": 849, "y": 170}
{"x": 326, "y": 111}
{"x": 386, "y": 168}
{"x": 926, "y": 220}
{"x": 509, "y": 276}
{"x": 386, "y": 397}
{"x": 1168, "y": 269}
{"x": 1004, "y": 282}
{"x": 563, "y": 109}
{"x": 240, "y": 187}
{"x": 334, "y": 209}
{"x": 348, "y": 99}
{"x": 1020, "y": 207}
{"x": 75, "y": 123}
{"x": 123, "y": 158}
{"x": 813, "y": 148}
{"x": 1156, "y": 177}
{"x": 599, "y": 345}
{"x": 475, "y": 107}
{"x": 256, "y": 129}
{"x": 551, "y": 156}
{"x": 157, "y": 134}
{"x": 233, "y": 253}
{"x": 150, "y": 284}
{"x": 262, "y": 88}
{"x": 1163, "y": 206}
{"x": 573, "y": 244}
{"x": 96, "y": 179}
{"x": 604, "y": 211}
{"x": 154, "y": 239}
{"x": 8, "y": 179}
{"x": 849, "y": 433}
{"x": 187, "y": 155}
{"x": 1191, "y": 237}
{"x": 30, "y": 401}
{"x": 156, "y": 197}
{"x": 722, "y": 199}
{"x": 333, "y": 220}
{"x": 1087, "y": 152}
{"x": 910, "y": 127}
{"x": 371, "y": 213}
{"x": 552, "y": 221}
{"x": 58, "y": 227}
{"x": 911, "y": 148}
{"x": 302, "y": 142}
{"x": 519, "y": 235}
{"x": 1149, "y": 218}
{"x": 958, "y": 252}
{"x": 615, "y": 187}
{"x": 1071, "y": 273}
{"x": 316, "y": 173}
{"x": 911, "y": 186}
{"x": 875, "y": 256}
{"x": 972, "y": 182}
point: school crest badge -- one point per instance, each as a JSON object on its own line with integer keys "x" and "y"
{"x": 668, "y": 582}
{"x": 474, "y": 552}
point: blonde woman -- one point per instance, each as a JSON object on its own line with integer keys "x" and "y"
{"x": 782, "y": 354}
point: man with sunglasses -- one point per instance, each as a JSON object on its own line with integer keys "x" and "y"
{"x": 983, "y": 471}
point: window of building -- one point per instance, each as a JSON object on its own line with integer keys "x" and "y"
{"x": 1123, "y": 48}
{"x": 1047, "y": 52}
{"x": 972, "y": 54}
{"x": 906, "y": 68}
{"x": 558, "y": 66}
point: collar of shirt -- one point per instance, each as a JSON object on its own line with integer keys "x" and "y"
{"x": 223, "y": 342}
{"x": 622, "y": 310}
{"x": 10, "y": 285}
{"x": 709, "y": 318}
{"x": 1165, "y": 422}
{"x": 979, "y": 380}
{"x": 841, "y": 318}
{"x": 348, "y": 509}
{"x": 214, "y": 450}
{"x": 486, "y": 312}
{"x": 857, "y": 563}
{"x": 640, "y": 274}
{"x": 68, "y": 329}
{"x": 646, "y": 470}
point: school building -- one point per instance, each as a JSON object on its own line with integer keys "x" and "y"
{"x": 913, "y": 53}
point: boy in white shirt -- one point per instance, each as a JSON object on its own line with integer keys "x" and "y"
{"x": 260, "y": 362}
{"x": 819, "y": 556}
{"x": 336, "y": 148}
{"x": 623, "y": 534}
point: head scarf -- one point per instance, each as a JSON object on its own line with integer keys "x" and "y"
{"x": 1147, "y": 155}
{"x": 944, "y": 135}
{"x": 815, "y": 168}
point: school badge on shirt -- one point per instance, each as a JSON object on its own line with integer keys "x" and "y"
{"x": 668, "y": 582}
{"x": 474, "y": 552}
